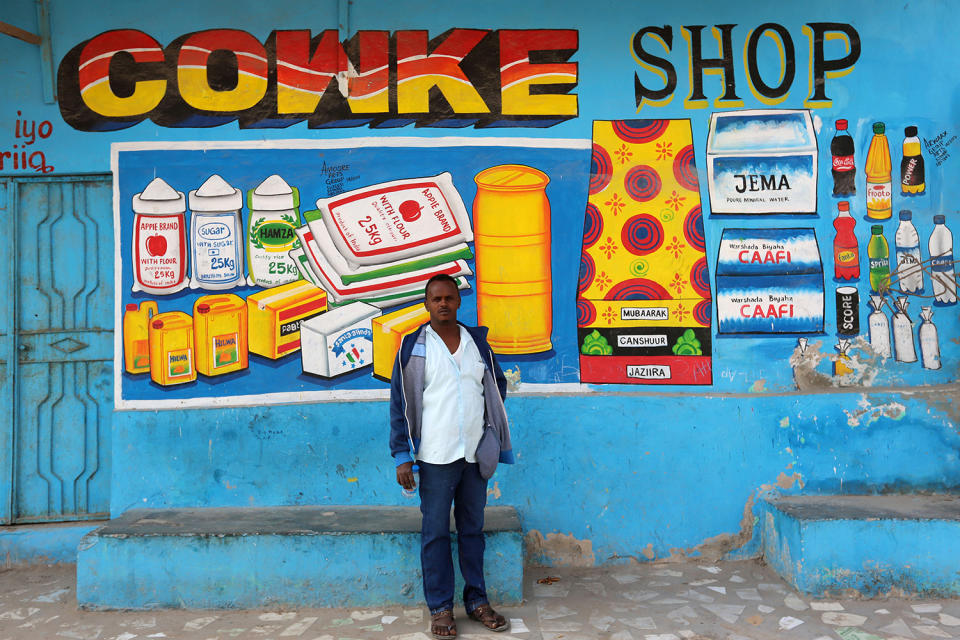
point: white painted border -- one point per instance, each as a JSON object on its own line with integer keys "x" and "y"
{"x": 296, "y": 397}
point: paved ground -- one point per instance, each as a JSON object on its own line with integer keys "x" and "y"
{"x": 730, "y": 601}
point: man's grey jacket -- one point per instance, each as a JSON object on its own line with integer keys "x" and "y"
{"x": 406, "y": 402}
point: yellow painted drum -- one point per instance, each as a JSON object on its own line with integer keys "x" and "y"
{"x": 511, "y": 223}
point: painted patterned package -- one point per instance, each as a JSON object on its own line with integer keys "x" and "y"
{"x": 399, "y": 219}
{"x": 273, "y": 218}
{"x": 274, "y": 317}
{"x": 643, "y": 303}
{"x": 375, "y": 288}
{"x": 339, "y": 341}
{"x": 769, "y": 281}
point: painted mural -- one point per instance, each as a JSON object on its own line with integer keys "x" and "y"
{"x": 750, "y": 219}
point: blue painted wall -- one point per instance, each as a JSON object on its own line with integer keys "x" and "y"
{"x": 628, "y": 471}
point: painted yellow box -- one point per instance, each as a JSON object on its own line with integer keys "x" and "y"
{"x": 171, "y": 348}
{"x": 274, "y": 317}
{"x": 220, "y": 330}
{"x": 388, "y": 331}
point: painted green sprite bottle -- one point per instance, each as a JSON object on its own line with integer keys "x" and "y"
{"x": 878, "y": 251}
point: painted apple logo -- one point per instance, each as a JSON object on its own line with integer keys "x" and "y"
{"x": 156, "y": 245}
{"x": 409, "y": 210}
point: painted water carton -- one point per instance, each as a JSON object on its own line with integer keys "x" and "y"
{"x": 220, "y": 330}
{"x": 171, "y": 348}
{"x": 769, "y": 281}
{"x": 339, "y": 341}
{"x": 762, "y": 162}
{"x": 274, "y": 317}
{"x": 388, "y": 331}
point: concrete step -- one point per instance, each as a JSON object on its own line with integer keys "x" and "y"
{"x": 240, "y": 558}
{"x": 886, "y": 544}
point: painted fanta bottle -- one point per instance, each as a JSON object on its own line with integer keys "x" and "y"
{"x": 271, "y": 233}
{"x": 216, "y": 236}
{"x": 136, "y": 337}
{"x": 220, "y": 329}
{"x": 879, "y": 188}
{"x": 171, "y": 348}
{"x": 159, "y": 239}
{"x": 846, "y": 251}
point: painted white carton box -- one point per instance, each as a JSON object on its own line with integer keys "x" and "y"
{"x": 762, "y": 161}
{"x": 338, "y": 341}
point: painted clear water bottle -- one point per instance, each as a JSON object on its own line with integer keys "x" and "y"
{"x": 907, "y": 241}
{"x": 929, "y": 342}
{"x": 941, "y": 262}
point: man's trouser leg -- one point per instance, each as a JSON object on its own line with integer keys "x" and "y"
{"x": 438, "y": 484}
{"x": 469, "y": 501}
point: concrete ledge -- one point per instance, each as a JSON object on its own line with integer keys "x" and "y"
{"x": 825, "y": 545}
{"x": 53, "y": 543}
{"x": 238, "y": 558}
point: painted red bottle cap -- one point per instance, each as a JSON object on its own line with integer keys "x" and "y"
{"x": 841, "y": 124}
{"x": 131, "y": 306}
{"x": 843, "y": 205}
{"x": 158, "y": 324}
{"x": 203, "y": 308}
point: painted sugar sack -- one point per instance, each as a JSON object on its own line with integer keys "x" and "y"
{"x": 644, "y": 302}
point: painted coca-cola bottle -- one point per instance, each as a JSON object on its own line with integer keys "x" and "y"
{"x": 844, "y": 175}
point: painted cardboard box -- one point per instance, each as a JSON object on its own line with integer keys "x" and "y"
{"x": 769, "y": 281}
{"x": 388, "y": 331}
{"x": 274, "y": 317}
{"x": 762, "y": 162}
{"x": 339, "y": 341}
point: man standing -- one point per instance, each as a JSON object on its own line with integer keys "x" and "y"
{"x": 446, "y": 406}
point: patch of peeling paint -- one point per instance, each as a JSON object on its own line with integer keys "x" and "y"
{"x": 717, "y": 547}
{"x": 784, "y": 422}
{"x": 648, "y": 552}
{"x": 786, "y": 482}
{"x": 558, "y": 550}
{"x": 863, "y": 364}
{"x": 892, "y": 410}
{"x": 759, "y": 386}
{"x": 494, "y": 491}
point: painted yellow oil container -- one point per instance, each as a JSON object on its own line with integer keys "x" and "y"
{"x": 388, "y": 331}
{"x": 136, "y": 336}
{"x": 220, "y": 330}
{"x": 511, "y": 219}
{"x": 274, "y": 317}
{"x": 171, "y": 348}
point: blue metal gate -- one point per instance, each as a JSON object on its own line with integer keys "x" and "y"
{"x": 56, "y": 348}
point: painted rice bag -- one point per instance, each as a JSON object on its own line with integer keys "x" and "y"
{"x": 349, "y": 273}
{"x": 339, "y": 341}
{"x": 216, "y": 235}
{"x": 400, "y": 283}
{"x": 274, "y": 217}
{"x": 399, "y": 219}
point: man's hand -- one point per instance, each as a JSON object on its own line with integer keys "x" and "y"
{"x": 405, "y": 476}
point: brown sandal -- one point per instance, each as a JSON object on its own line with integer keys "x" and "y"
{"x": 442, "y": 625}
{"x": 485, "y": 615}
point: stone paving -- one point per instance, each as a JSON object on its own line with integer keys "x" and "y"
{"x": 691, "y": 601}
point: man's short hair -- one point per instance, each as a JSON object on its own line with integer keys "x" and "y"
{"x": 441, "y": 277}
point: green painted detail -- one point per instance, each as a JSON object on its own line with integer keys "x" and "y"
{"x": 639, "y": 268}
{"x": 275, "y": 233}
{"x": 595, "y": 344}
{"x": 667, "y": 215}
{"x": 687, "y": 345}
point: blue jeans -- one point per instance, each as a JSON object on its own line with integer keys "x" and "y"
{"x": 459, "y": 483}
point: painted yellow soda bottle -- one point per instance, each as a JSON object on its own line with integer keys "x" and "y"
{"x": 171, "y": 348}
{"x": 220, "y": 330}
{"x": 879, "y": 186}
{"x": 136, "y": 339}
{"x": 511, "y": 217}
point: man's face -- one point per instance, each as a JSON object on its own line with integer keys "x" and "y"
{"x": 442, "y": 302}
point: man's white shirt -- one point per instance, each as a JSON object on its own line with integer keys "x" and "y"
{"x": 453, "y": 409}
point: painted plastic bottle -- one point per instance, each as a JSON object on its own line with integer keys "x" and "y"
{"x": 171, "y": 348}
{"x": 216, "y": 235}
{"x": 941, "y": 262}
{"x": 878, "y": 251}
{"x": 912, "y": 178}
{"x": 878, "y": 169}
{"x": 271, "y": 233}
{"x": 929, "y": 341}
{"x": 909, "y": 272}
{"x": 903, "y": 347}
{"x": 136, "y": 336}
{"x": 844, "y": 170}
{"x": 409, "y": 493}
{"x": 220, "y": 330}
{"x": 159, "y": 239}
{"x": 879, "y": 328}
{"x": 846, "y": 250}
